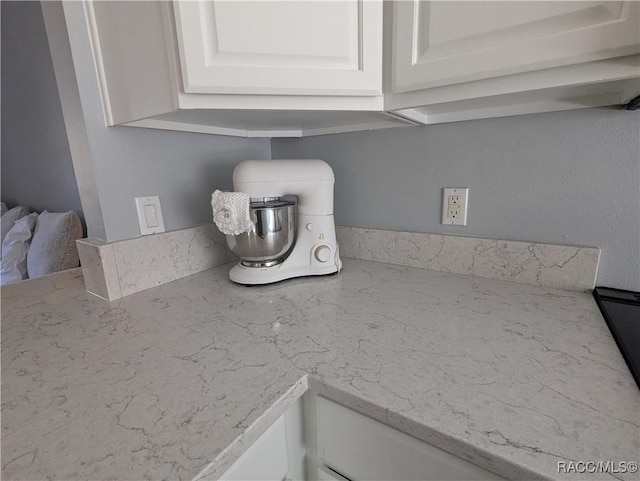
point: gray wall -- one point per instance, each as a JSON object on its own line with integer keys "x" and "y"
{"x": 37, "y": 170}
{"x": 182, "y": 168}
{"x": 567, "y": 177}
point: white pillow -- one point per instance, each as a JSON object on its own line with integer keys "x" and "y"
{"x": 53, "y": 247}
{"x": 9, "y": 218}
{"x": 13, "y": 267}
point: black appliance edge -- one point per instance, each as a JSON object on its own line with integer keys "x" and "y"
{"x": 610, "y": 294}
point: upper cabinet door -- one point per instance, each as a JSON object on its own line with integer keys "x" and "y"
{"x": 280, "y": 48}
{"x": 443, "y": 43}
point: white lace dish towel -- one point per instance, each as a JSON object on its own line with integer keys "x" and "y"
{"x": 231, "y": 212}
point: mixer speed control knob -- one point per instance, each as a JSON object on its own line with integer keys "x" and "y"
{"x": 323, "y": 253}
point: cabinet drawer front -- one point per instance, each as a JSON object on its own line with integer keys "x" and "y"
{"x": 285, "y": 48}
{"x": 359, "y": 447}
{"x": 442, "y": 43}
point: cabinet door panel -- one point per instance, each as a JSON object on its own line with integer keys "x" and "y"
{"x": 353, "y": 446}
{"x": 441, "y": 43}
{"x": 265, "y": 460}
{"x": 309, "y": 48}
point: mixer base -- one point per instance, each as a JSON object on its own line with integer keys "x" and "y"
{"x": 288, "y": 279}
{"x": 252, "y": 276}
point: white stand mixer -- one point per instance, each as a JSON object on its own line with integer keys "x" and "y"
{"x": 309, "y": 240}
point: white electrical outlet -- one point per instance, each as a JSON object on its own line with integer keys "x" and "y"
{"x": 149, "y": 215}
{"x": 454, "y": 205}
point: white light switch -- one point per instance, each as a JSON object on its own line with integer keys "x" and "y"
{"x": 149, "y": 215}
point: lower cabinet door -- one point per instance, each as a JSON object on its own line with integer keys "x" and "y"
{"x": 266, "y": 459}
{"x": 354, "y": 447}
{"x": 324, "y": 473}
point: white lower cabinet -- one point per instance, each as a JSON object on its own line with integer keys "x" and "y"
{"x": 318, "y": 439}
{"x": 356, "y": 447}
{"x": 276, "y": 455}
{"x": 265, "y": 459}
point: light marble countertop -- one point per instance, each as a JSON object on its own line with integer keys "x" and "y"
{"x": 174, "y": 382}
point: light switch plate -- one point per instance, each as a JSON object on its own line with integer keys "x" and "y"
{"x": 454, "y": 205}
{"x": 149, "y": 215}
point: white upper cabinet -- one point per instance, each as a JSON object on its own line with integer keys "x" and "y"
{"x": 281, "y": 48}
{"x": 453, "y": 61}
{"x": 271, "y": 68}
{"x": 240, "y": 68}
{"x": 444, "y": 43}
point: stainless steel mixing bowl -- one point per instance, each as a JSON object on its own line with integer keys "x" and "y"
{"x": 272, "y": 237}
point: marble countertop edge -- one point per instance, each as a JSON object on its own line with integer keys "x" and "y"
{"x": 243, "y": 441}
{"x": 458, "y": 447}
{"x": 449, "y": 443}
